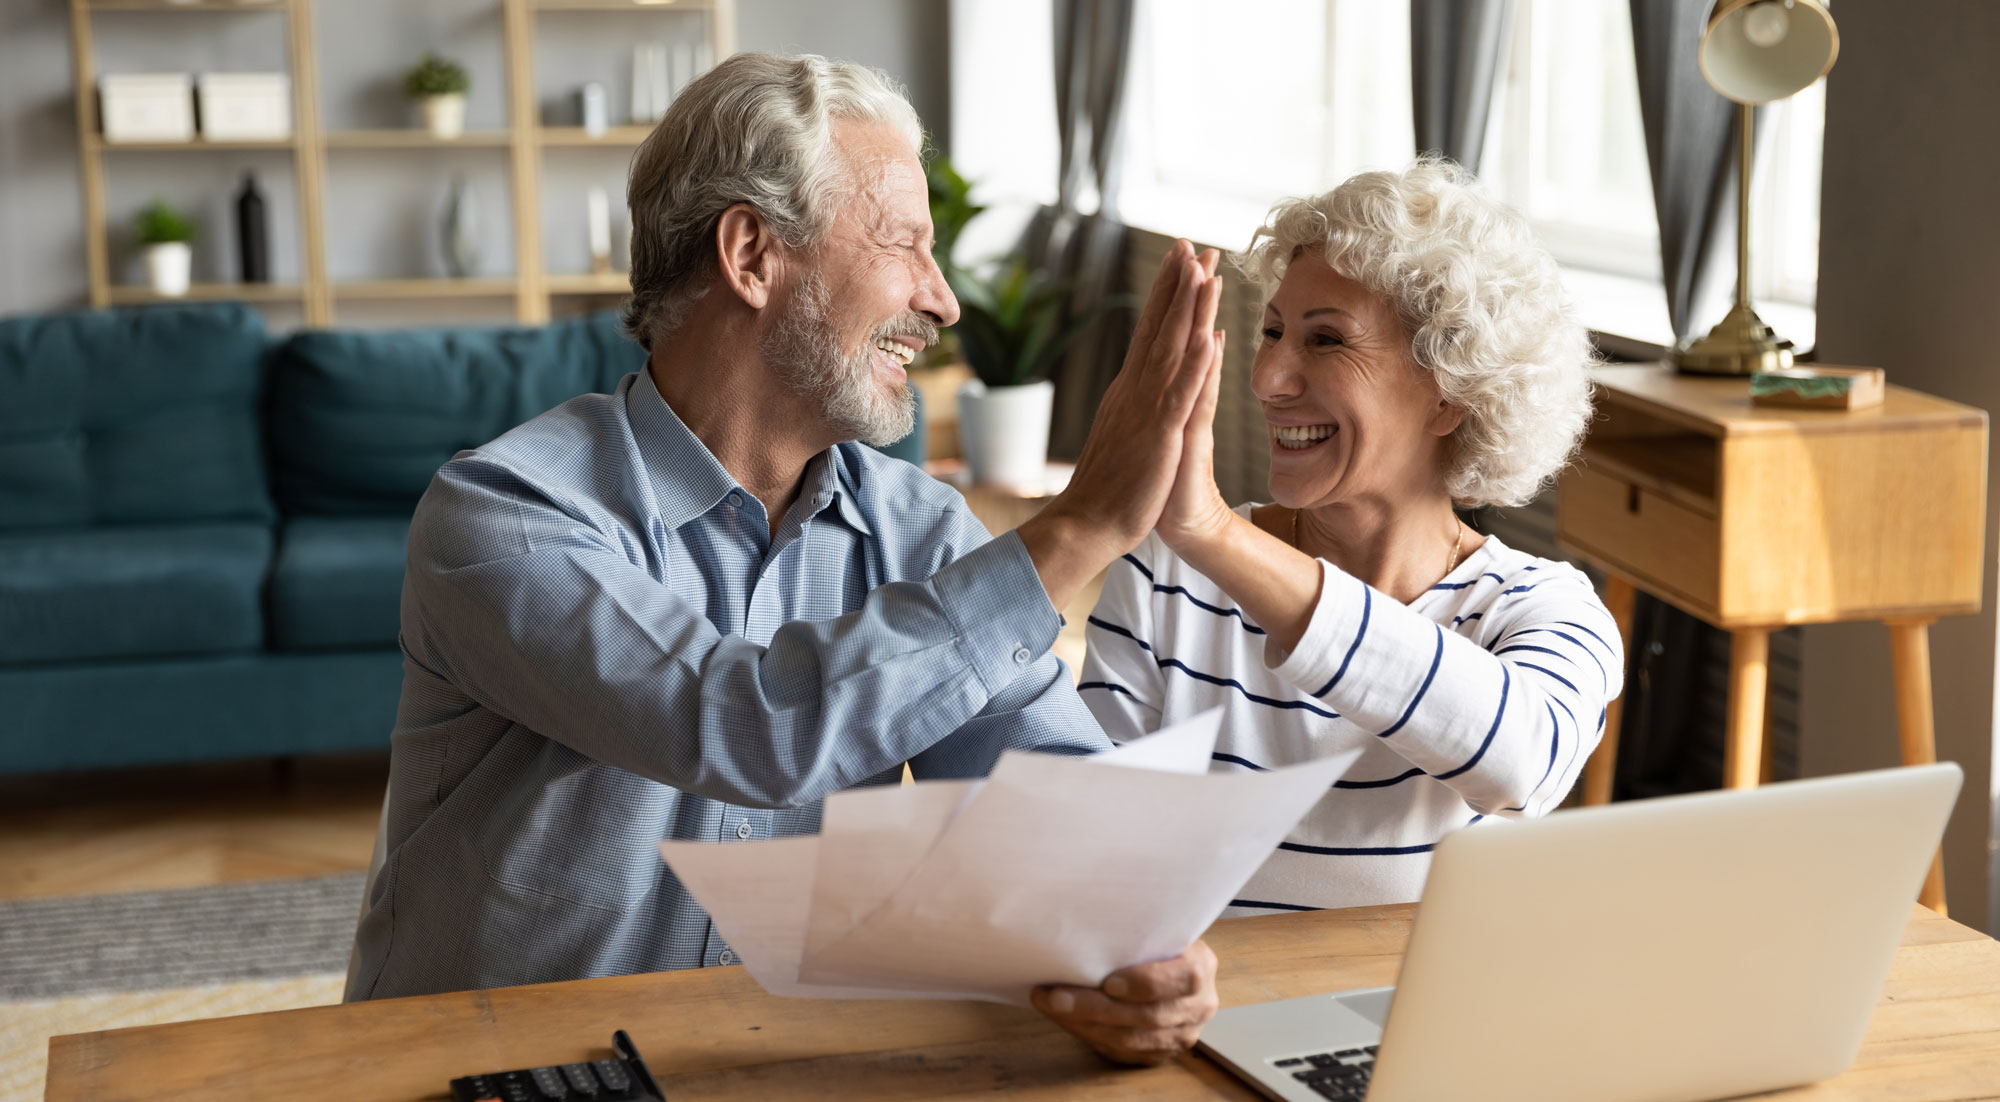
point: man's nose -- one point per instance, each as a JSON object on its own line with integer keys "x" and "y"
{"x": 934, "y": 299}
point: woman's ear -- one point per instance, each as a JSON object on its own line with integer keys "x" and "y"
{"x": 746, "y": 255}
{"x": 1445, "y": 417}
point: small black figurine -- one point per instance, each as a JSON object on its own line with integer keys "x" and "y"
{"x": 253, "y": 237}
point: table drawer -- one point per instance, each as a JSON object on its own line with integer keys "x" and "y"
{"x": 1663, "y": 544}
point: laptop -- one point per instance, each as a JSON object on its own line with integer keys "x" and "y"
{"x": 1668, "y": 950}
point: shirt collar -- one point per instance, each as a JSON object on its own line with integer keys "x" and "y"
{"x": 687, "y": 480}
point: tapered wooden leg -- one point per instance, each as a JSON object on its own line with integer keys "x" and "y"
{"x": 1910, "y": 656}
{"x": 1749, "y": 673}
{"x": 1603, "y": 764}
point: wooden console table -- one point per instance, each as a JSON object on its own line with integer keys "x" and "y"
{"x": 711, "y": 1033}
{"x": 1754, "y": 519}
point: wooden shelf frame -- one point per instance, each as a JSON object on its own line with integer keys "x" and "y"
{"x": 524, "y": 139}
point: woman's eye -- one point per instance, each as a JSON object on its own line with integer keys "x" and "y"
{"x": 1327, "y": 340}
{"x": 1273, "y": 333}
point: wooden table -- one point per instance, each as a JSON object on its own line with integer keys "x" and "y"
{"x": 713, "y": 1034}
{"x": 1753, "y": 518}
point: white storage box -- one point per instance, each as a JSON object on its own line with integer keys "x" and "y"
{"x": 244, "y": 107}
{"x": 147, "y": 107}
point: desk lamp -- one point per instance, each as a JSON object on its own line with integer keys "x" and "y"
{"x": 1753, "y": 52}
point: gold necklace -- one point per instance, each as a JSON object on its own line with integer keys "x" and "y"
{"x": 1457, "y": 540}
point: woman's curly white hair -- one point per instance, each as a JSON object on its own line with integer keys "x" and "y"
{"x": 1483, "y": 305}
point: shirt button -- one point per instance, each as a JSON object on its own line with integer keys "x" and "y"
{"x": 743, "y": 829}
{"x": 736, "y": 501}
{"x": 1021, "y": 655}
{"x": 726, "y": 957}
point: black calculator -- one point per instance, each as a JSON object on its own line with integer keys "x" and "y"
{"x": 616, "y": 1079}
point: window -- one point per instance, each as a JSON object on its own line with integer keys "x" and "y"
{"x": 1233, "y": 106}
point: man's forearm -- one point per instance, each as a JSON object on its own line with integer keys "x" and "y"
{"x": 1067, "y": 550}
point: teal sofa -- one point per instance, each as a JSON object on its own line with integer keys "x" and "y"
{"x": 202, "y": 529}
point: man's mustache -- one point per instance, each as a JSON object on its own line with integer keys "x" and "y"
{"x": 908, "y": 324}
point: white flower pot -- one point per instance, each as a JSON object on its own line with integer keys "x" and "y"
{"x": 1004, "y": 432}
{"x": 444, "y": 116}
{"x": 167, "y": 268}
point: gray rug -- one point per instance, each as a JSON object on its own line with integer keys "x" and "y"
{"x": 144, "y": 941}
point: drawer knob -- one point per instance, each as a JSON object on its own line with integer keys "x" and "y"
{"x": 1632, "y": 499}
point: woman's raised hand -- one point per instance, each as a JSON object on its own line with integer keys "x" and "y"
{"x": 1129, "y": 462}
{"x": 1195, "y": 509}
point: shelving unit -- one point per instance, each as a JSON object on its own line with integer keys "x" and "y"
{"x": 525, "y": 139}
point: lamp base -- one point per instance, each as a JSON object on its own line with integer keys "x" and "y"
{"x": 1740, "y": 344}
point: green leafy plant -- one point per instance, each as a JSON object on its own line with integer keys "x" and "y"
{"x": 951, "y": 207}
{"x": 1011, "y": 327}
{"x": 160, "y": 224}
{"x": 436, "y": 76}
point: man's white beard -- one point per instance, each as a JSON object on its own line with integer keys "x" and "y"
{"x": 807, "y": 351}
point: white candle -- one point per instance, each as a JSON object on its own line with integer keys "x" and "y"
{"x": 600, "y": 226}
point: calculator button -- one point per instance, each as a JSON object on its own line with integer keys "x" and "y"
{"x": 612, "y": 1073}
{"x": 581, "y": 1079}
{"x": 550, "y": 1082}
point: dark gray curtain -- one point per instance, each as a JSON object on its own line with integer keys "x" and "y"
{"x": 1455, "y": 52}
{"x": 1691, "y": 144}
{"x": 1093, "y": 46}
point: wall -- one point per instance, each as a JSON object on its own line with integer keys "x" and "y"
{"x": 1909, "y": 273}
{"x": 381, "y": 207}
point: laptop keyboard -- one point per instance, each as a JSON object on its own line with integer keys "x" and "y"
{"x": 1342, "y": 1076}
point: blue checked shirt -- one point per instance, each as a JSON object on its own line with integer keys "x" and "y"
{"x": 604, "y": 647}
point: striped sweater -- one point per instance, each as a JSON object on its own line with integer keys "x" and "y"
{"x": 1481, "y": 698}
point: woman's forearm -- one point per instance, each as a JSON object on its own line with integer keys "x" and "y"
{"x": 1275, "y": 584}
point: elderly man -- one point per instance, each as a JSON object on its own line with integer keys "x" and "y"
{"x": 693, "y": 607}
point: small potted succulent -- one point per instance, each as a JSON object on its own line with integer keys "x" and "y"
{"x": 164, "y": 233}
{"x": 438, "y": 86}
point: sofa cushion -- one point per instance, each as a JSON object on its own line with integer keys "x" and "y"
{"x": 138, "y": 415}
{"x": 360, "y": 421}
{"x": 132, "y": 591}
{"x": 338, "y": 582}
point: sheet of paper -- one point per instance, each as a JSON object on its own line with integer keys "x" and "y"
{"x": 763, "y": 889}
{"x": 1053, "y": 870}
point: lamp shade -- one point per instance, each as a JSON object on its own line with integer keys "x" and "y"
{"x": 1758, "y": 51}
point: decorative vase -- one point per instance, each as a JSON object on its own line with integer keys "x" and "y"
{"x": 167, "y": 266}
{"x": 460, "y": 231}
{"x": 1004, "y": 432}
{"x": 253, "y": 234}
{"x": 444, "y": 116}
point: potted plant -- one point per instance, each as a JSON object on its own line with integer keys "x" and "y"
{"x": 1012, "y": 332}
{"x": 165, "y": 233}
{"x": 438, "y": 85}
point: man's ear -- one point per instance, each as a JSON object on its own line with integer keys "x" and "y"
{"x": 1445, "y": 418}
{"x": 746, "y": 254}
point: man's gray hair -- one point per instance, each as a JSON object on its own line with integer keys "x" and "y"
{"x": 756, "y": 129}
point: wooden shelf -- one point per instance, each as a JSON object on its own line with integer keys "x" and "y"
{"x": 96, "y": 143}
{"x": 499, "y": 287}
{"x": 195, "y": 5}
{"x": 414, "y": 138}
{"x": 518, "y": 136}
{"x": 613, "y": 136}
{"x": 128, "y": 294}
{"x": 589, "y": 283}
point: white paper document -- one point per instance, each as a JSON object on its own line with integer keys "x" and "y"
{"x": 1052, "y": 870}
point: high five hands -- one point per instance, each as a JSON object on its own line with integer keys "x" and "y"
{"x": 1149, "y": 462}
{"x": 1153, "y": 430}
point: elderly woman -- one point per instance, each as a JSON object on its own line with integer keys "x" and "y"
{"x": 1416, "y": 354}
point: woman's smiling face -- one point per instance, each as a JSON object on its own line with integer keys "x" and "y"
{"x": 1353, "y": 418}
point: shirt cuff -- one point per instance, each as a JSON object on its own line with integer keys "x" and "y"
{"x": 996, "y": 603}
{"x": 1330, "y": 634}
